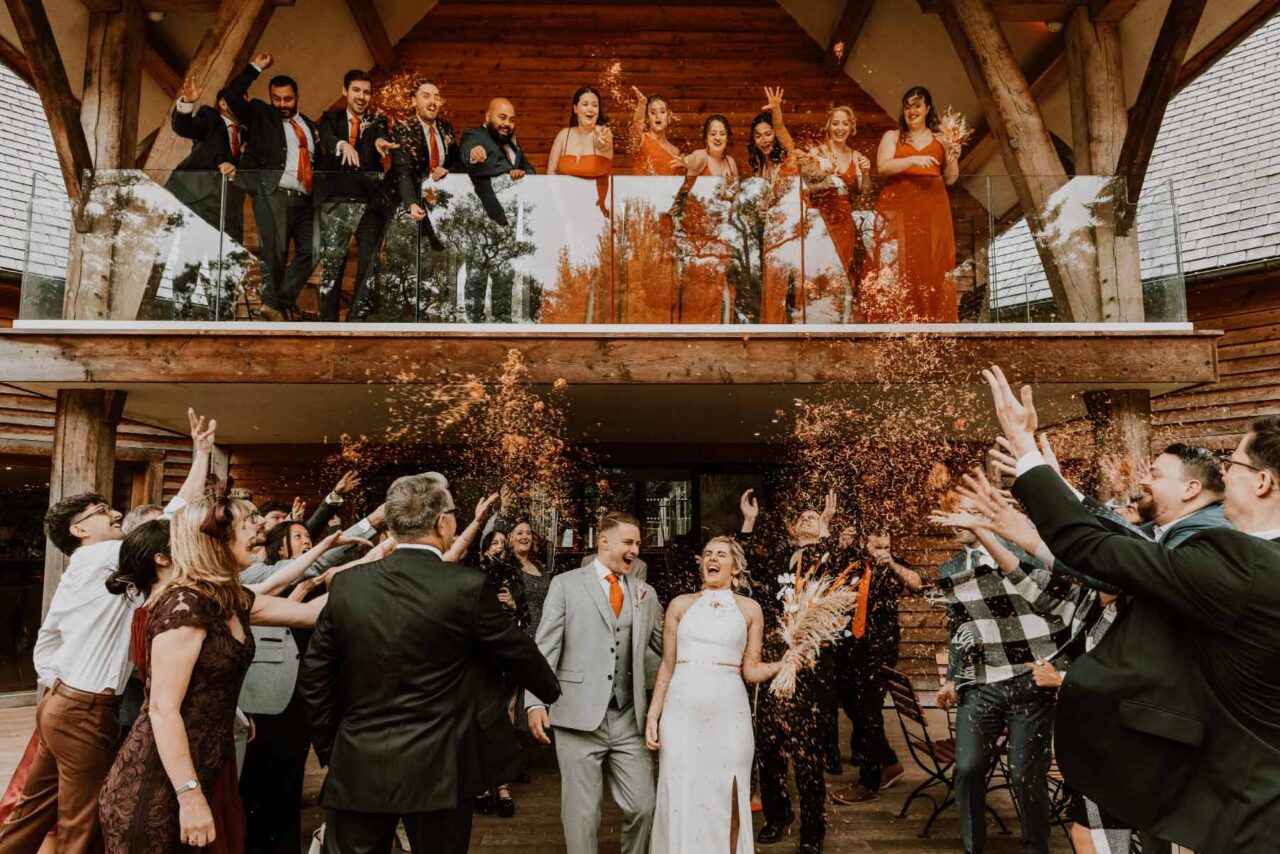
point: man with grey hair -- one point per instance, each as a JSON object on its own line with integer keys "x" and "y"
{"x": 403, "y": 681}
{"x": 138, "y": 515}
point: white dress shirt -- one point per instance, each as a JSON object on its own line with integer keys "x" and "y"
{"x": 984, "y": 556}
{"x": 84, "y": 639}
{"x": 603, "y": 572}
{"x": 289, "y": 179}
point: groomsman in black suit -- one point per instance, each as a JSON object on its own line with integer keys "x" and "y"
{"x": 1196, "y": 762}
{"x": 492, "y": 151}
{"x": 406, "y": 684}
{"x": 353, "y": 194}
{"x": 426, "y": 151}
{"x": 277, "y": 167}
{"x": 215, "y": 151}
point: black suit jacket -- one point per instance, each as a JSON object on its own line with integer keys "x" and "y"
{"x": 1172, "y": 722}
{"x": 211, "y": 146}
{"x": 264, "y": 150}
{"x": 404, "y": 684}
{"x": 494, "y": 164}
{"x": 339, "y": 181}
{"x": 410, "y": 163}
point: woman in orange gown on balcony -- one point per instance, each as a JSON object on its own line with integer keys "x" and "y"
{"x": 915, "y": 240}
{"x": 585, "y": 148}
{"x": 771, "y": 154}
{"x": 834, "y": 174}
{"x": 653, "y": 153}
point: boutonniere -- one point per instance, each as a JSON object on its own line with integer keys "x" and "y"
{"x": 640, "y": 596}
{"x": 365, "y": 124}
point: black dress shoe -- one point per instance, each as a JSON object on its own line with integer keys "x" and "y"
{"x": 772, "y": 833}
{"x": 834, "y": 766}
{"x": 809, "y": 848}
{"x": 506, "y": 807}
{"x": 484, "y": 804}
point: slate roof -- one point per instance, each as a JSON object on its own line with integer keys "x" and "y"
{"x": 26, "y": 154}
{"x": 1218, "y": 152}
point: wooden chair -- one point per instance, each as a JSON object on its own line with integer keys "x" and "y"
{"x": 936, "y": 757}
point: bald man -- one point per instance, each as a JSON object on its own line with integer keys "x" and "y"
{"x": 491, "y": 151}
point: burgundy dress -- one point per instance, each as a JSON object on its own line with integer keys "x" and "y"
{"x": 138, "y": 806}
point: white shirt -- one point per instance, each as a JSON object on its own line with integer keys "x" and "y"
{"x": 984, "y": 556}
{"x": 84, "y": 639}
{"x": 289, "y": 180}
{"x": 1160, "y": 530}
{"x": 603, "y": 572}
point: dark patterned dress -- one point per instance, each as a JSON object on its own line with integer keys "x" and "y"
{"x": 138, "y": 806}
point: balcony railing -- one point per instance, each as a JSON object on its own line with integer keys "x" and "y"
{"x": 624, "y": 250}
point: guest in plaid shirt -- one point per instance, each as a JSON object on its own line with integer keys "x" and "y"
{"x": 997, "y": 634}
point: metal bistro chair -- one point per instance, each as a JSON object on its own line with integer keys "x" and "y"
{"x": 936, "y": 757}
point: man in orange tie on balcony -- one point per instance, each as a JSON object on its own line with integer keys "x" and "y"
{"x": 280, "y": 150}
{"x": 353, "y": 194}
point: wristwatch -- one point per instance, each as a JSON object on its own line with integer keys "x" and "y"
{"x": 188, "y": 786}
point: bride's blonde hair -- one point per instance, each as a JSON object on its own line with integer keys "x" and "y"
{"x": 740, "y": 578}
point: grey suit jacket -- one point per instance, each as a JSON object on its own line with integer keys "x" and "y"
{"x": 268, "y": 685}
{"x": 576, "y": 634}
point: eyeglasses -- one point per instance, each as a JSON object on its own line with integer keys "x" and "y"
{"x": 1228, "y": 462}
{"x": 101, "y": 508}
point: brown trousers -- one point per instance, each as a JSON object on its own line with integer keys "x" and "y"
{"x": 79, "y": 735}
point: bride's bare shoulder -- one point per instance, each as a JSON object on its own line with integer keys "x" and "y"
{"x": 681, "y": 603}
{"x": 747, "y": 605}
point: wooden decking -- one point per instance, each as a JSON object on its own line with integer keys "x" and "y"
{"x": 536, "y": 827}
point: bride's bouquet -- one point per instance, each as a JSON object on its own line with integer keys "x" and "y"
{"x": 954, "y": 128}
{"x": 816, "y": 611}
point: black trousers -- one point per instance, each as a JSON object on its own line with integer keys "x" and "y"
{"x": 338, "y": 221}
{"x": 795, "y": 729}
{"x": 984, "y": 713}
{"x": 284, "y": 217}
{"x": 445, "y": 831}
{"x": 271, "y": 784}
{"x": 860, "y": 691}
{"x": 202, "y": 193}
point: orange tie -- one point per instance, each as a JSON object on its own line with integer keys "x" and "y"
{"x": 304, "y": 156}
{"x": 355, "y": 130}
{"x": 615, "y": 594}
{"x": 435, "y": 148}
{"x": 864, "y": 593}
{"x": 234, "y": 130}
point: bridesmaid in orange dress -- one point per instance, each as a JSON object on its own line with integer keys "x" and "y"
{"x": 653, "y": 154}
{"x": 771, "y": 154}
{"x": 585, "y": 148}
{"x": 834, "y": 174}
{"x": 915, "y": 240}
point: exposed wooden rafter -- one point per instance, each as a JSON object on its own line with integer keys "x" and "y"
{"x": 49, "y": 76}
{"x": 845, "y": 35}
{"x": 1180, "y": 23}
{"x": 374, "y": 33}
{"x": 1238, "y": 31}
{"x": 1047, "y": 70}
{"x": 11, "y": 56}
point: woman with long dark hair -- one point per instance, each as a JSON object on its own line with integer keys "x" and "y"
{"x": 771, "y": 153}
{"x": 915, "y": 239}
{"x": 584, "y": 149}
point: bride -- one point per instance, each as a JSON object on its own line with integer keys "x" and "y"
{"x": 700, "y": 718}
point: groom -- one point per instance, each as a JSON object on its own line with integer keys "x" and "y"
{"x": 596, "y": 623}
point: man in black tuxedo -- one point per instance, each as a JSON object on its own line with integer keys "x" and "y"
{"x": 215, "y": 152}
{"x": 426, "y": 152}
{"x": 492, "y": 151}
{"x": 404, "y": 681}
{"x": 1194, "y": 759}
{"x": 353, "y": 194}
{"x": 277, "y": 167}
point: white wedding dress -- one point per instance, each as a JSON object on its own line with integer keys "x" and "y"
{"x": 705, "y": 735}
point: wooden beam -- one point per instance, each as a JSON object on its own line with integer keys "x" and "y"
{"x": 181, "y": 6}
{"x": 1026, "y": 147}
{"x": 1108, "y": 358}
{"x": 222, "y": 52}
{"x": 113, "y": 85}
{"x": 1238, "y": 31}
{"x": 1045, "y": 72}
{"x": 61, "y": 109}
{"x": 84, "y": 441}
{"x": 11, "y": 56}
{"x": 375, "y": 35}
{"x": 160, "y": 63}
{"x": 845, "y": 35}
{"x": 1121, "y": 424}
{"x": 1180, "y": 23}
